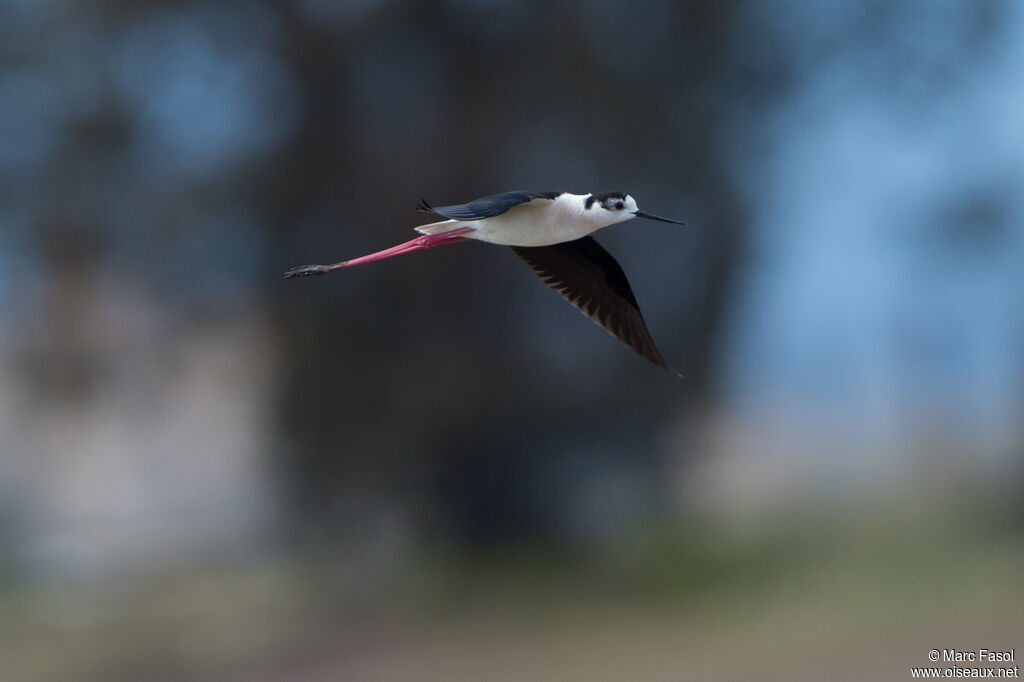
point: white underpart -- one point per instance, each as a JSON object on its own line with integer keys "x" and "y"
{"x": 540, "y": 222}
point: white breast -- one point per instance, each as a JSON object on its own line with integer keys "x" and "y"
{"x": 541, "y": 222}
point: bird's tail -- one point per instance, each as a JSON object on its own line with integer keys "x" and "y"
{"x": 438, "y": 228}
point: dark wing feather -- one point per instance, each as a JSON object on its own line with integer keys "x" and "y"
{"x": 487, "y": 207}
{"x": 588, "y": 277}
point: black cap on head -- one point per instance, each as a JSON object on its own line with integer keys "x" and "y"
{"x": 602, "y": 197}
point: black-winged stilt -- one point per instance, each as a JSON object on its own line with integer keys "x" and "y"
{"x": 550, "y": 231}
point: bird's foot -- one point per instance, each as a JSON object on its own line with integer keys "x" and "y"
{"x": 305, "y": 271}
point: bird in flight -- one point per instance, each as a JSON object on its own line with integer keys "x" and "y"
{"x": 551, "y": 232}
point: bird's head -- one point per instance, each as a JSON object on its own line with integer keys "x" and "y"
{"x": 608, "y": 208}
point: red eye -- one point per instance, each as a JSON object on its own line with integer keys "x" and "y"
{"x": 619, "y": 205}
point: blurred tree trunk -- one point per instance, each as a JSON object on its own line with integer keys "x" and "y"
{"x": 393, "y": 431}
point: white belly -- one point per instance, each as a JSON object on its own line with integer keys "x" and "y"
{"x": 520, "y": 230}
{"x": 525, "y": 225}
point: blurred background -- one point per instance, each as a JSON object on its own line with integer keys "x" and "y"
{"x": 432, "y": 467}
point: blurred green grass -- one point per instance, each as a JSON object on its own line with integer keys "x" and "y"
{"x": 855, "y": 594}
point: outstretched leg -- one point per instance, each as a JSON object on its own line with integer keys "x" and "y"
{"x": 427, "y": 241}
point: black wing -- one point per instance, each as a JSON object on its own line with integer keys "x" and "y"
{"x": 588, "y": 277}
{"x": 488, "y": 207}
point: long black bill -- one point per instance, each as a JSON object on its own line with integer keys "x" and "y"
{"x": 649, "y": 216}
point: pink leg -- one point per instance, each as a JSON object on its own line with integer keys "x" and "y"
{"x": 427, "y": 241}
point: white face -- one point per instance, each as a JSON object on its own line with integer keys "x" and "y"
{"x": 613, "y": 210}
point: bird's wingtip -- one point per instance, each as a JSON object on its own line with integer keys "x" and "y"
{"x": 658, "y": 361}
{"x": 671, "y": 370}
{"x": 424, "y": 206}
